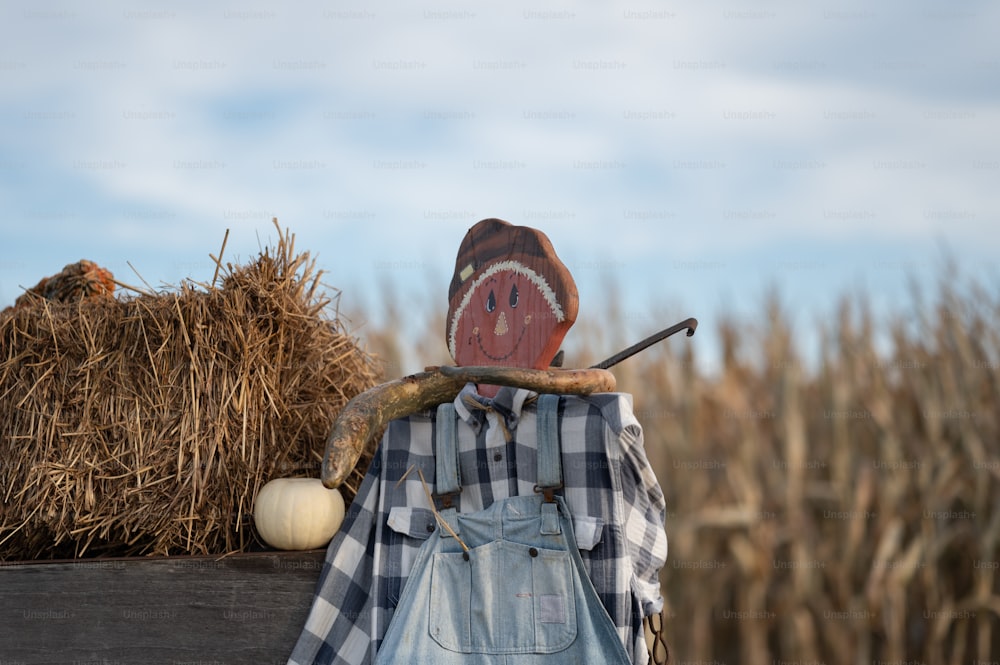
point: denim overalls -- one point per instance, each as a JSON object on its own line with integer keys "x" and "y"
{"x": 519, "y": 593}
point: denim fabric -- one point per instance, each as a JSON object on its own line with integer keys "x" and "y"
{"x": 521, "y": 597}
{"x": 616, "y": 502}
{"x": 519, "y": 593}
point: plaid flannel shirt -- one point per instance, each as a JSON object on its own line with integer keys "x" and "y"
{"x": 617, "y": 507}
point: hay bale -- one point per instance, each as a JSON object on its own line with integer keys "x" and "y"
{"x": 147, "y": 424}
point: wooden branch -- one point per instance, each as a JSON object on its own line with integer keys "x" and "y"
{"x": 369, "y": 412}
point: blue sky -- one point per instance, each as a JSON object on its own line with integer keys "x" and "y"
{"x": 694, "y": 153}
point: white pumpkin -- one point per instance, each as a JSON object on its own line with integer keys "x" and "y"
{"x": 297, "y": 513}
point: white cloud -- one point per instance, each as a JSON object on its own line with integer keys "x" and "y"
{"x": 644, "y": 133}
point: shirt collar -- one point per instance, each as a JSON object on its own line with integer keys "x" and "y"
{"x": 473, "y": 407}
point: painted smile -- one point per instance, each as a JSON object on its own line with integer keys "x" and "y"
{"x": 479, "y": 341}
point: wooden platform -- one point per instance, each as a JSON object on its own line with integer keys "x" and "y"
{"x": 245, "y": 608}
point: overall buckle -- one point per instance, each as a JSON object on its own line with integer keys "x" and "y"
{"x": 548, "y": 492}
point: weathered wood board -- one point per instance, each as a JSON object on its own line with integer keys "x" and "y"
{"x": 245, "y": 608}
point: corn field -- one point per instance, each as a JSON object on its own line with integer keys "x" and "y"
{"x": 838, "y": 509}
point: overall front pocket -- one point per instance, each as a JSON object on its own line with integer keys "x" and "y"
{"x": 507, "y": 598}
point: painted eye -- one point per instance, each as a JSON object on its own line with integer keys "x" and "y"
{"x": 513, "y": 296}
{"x": 491, "y": 302}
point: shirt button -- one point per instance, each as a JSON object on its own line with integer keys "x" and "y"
{"x": 533, "y": 552}
{"x": 497, "y": 457}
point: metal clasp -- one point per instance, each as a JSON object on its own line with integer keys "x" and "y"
{"x": 446, "y": 500}
{"x": 548, "y": 492}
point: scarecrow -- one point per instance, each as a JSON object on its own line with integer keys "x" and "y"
{"x": 510, "y": 513}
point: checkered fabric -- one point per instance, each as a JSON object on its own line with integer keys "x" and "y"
{"x": 616, "y": 503}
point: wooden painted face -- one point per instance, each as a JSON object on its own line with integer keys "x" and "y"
{"x": 513, "y": 310}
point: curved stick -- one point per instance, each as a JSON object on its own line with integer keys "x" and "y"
{"x": 366, "y": 414}
{"x": 557, "y": 381}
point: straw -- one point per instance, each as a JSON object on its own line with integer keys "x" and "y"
{"x": 146, "y": 424}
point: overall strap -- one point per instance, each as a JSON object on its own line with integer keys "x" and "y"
{"x": 448, "y": 484}
{"x": 549, "y": 461}
{"x": 549, "y": 458}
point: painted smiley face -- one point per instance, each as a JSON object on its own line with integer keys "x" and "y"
{"x": 510, "y": 301}
{"x": 509, "y": 317}
{"x": 502, "y": 322}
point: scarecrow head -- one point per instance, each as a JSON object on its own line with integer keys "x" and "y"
{"x": 511, "y": 299}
